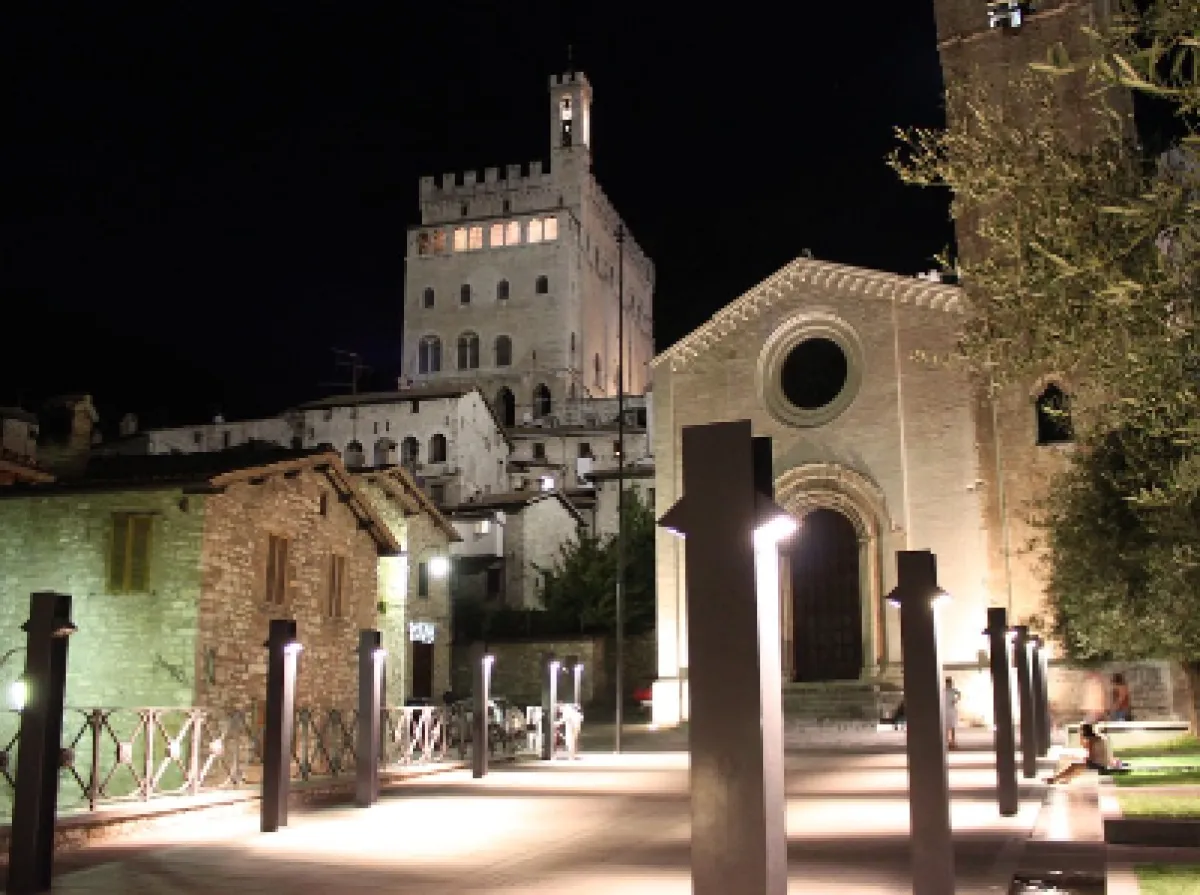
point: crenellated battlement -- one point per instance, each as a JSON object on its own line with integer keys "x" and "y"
{"x": 569, "y": 78}
{"x": 460, "y": 184}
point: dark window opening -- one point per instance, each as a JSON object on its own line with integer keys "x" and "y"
{"x": 1053, "y": 409}
{"x": 814, "y": 373}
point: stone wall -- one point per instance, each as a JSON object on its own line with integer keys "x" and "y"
{"x": 425, "y": 540}
{"x": 131, "y": 649}
{"x": 533, "y": 538}
{"x": 516, "y": 674}
{"x": 230, "y": 660}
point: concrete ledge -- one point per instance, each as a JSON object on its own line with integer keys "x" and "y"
{"x": 1157, "y": 832}
{"x": 72, "y": 831}
{"x": 1126, "y": 734}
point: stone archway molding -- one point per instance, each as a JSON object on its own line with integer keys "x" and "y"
{"x": 831, "y": 486}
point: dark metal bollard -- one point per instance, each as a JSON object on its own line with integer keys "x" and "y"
{"x": 481, "y": 695}
{"x": 550, "y": 666}
{"x": 370, "y": 692}
{"x": 928, "y": 777}
{"x": 31, "y": 847}
{"x": 1037, "y": 683}
{"x": 1025, "y": 701}
{"x": 1003, "y": 737}
{"x": 282, "y": 648}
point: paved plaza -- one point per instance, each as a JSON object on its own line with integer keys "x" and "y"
{"x": 601, "y": 824}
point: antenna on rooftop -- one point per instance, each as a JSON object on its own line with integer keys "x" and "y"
{"x": 351, "y": 360}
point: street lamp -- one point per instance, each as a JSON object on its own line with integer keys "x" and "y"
{"x": 439, "y": 566}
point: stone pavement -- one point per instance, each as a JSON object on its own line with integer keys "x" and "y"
{"x": 602, "y": 824}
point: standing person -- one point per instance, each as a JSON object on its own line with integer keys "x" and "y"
{"x": 1093, "y": 698}
{"x": 1122, "y": 706}
{"x": 951, "y": 697}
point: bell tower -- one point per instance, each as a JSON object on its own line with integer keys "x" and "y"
{"x": 570, "y": 117}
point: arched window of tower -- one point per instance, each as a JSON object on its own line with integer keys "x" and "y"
{"x": 541, "y": 285}
{"x": 572, "y": 343}
{"x": 410, "y": 451}
{"x": 429, "y": 355}
{"x": 506, "y": 407}
{"x": 437, "y": 449}
{"x": 468, "y": 351}
{"x": 541, "y": 400}
{"x": 599, "y": 371}
{"x": 355, "y": 457}
{"x": 502, "y": 290}
{"x": 464, "y": 294}
{"x": 1053, "y": 409}
{"x": 428, "y": 297}
{"x": 503, "y": 351}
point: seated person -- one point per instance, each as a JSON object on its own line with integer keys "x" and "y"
{"x": 1098, "y": 758}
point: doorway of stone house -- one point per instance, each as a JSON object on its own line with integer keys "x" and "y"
{"x": 422, "y": 670}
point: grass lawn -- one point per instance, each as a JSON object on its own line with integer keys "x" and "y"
{"x": 1157, "y": 777}
{"x": 1168, "y": 879}
{"x": 1144, "y": 804}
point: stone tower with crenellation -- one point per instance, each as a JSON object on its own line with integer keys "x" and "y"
{"x": 511, "y": 281}
{"x": 1018, "y": 452}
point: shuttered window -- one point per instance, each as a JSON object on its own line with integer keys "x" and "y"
{"x": 129, "y": 561}
{"x": 277, "y": 563}
{"x": 335, "y": 607}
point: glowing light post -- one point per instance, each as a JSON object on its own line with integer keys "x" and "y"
{"x": 31, "y": 846}
{"x": 1037, "y": 686}
{"x": 573, "y": 711}
{"x": 481, "y": 687}
{"x": 1002, "y": 728}
{"x": 917, "y": 594}
{"x": 576, "y": 667}
{"x": 732, "y": 528}
{"x": 370, "y": 696}
{"x": 282, "y": 650}
{"x": 1022, "y": 647}
{"x": 550, "y": 669}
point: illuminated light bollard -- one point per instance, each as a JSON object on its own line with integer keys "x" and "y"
{"x": 481, "y": 713}
{"x": 31, "y": 846}
{"x": 550, "y": 669}
{"x": 282, "y": 651}
{"x": 1002, "y": 711}
{"x": 917, "y": 594}
{"x": 370, "y": 696}
{"x": 731, "y": 529}
{"x": 573, "y": 710}
{"x": 1022, "y": 647}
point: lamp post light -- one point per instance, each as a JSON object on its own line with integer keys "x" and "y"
{"x": 917, "y": 594}
{"x": 370, "y": 696}
{"x": 1037, "y": 684}
{"x": 1002, "y": 728}
{"x": 282, "y": 650}
{"x": 1022, "y": 647}
{"x": 577, "y": 672}
{"x": 481, "y": 693}
{"x": 550, "y": 670}
{"x": 31, "y": 845}
{"x": 731, "y": 528}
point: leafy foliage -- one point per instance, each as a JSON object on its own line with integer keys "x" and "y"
{"x": 581, "y": 583}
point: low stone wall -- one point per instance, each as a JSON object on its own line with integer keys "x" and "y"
{"x": 516, "y": 674}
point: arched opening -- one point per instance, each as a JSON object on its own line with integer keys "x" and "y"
{"x": 502, "y": 290}
{"x": 541, "y": 401}
{"x": 506, "y": 407}
{"x": 385, "y": 452}
{"x": 1053, "y": 410}
{"x": 429, "y": 355}
{"x": 468, "y": 351}
{"x": 437, "y": 449}
{"x": 410, "y": 451}
{"x": 354, "y": 455}
{"x": 428, "y": 297}
{"x": 826, "y": 599}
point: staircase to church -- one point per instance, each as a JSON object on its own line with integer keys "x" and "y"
{"x": 839, "y": 702}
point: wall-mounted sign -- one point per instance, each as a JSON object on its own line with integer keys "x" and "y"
{"x": 422, "y": 632}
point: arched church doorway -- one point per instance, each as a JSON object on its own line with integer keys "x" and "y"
{"x": 827, "y": 599}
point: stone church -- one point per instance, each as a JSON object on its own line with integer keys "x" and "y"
{"x": 877, "y": 449}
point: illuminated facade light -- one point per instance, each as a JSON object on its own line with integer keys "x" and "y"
{"x": 439, "y": 566}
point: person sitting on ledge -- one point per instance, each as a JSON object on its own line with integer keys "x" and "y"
{"x": 1099, "y": 757}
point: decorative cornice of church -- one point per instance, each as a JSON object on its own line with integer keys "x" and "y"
{"x": 806, "y": 271}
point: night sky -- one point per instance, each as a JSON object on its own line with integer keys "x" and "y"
{"x": 200, "y": 201}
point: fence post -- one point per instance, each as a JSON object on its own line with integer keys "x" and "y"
{"x": 96, "y": 722}
{"x": 282, "y": 648}
{"x": 197, "y": 742}
{"x": 148, "y": 752}
{"x": 550, "y": 666}
{"x": 31, "y": 845}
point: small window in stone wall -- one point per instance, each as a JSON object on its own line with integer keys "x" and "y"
{"x": 324, "y": 503}
{"x": 277, "y": 567}
{"x": 335, "y": 606}
{"x": 129, "y": 559}
{"x": 423, "y": 580}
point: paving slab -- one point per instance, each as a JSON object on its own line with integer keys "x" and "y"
{"x": 603, "y": 823}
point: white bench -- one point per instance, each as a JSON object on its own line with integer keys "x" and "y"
{"x": 1128, "y": 734}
